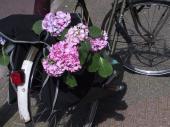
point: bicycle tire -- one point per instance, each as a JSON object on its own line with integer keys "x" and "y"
{"x": 77, "y": 116}
{"x": 127, "y": 49}
{"x": 71, "y": 110}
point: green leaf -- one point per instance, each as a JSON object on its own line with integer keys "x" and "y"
{"x": 94, "y": 65}
{"x": 105, "y": 68}
{"x": 84, "y": 51}
{"x": 37, "y": 27}
{"x": 106, "y": 55}
{"x": 4, "y": 59}
{"x": 70, "y": 80}
{"x": 95, "y": 31}
{"x": 62, "y": 34}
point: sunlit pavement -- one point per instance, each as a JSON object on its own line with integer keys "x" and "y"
{"x": 3, "y": 84}
{"x": 147, "y": 97}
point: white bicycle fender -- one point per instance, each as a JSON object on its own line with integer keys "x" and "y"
{"x": 22, "y": 92}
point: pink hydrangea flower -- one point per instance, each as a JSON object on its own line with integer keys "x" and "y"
{"x": 64, "y": 57}
{"x": 98, "y": 44}
{"x": 56, "y": 22}
{"x": 57, "y": 51}
{"x": 72, "y": 62}
{"x": 52, "y": 68}
{"x": 77, "y": 33}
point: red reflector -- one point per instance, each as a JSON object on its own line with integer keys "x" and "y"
{"x": 17, "y": 77}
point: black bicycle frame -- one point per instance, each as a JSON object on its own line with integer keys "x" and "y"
{"x": 86, "y": 17}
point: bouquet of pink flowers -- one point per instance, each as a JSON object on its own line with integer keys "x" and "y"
{"x": 79, "y": 47}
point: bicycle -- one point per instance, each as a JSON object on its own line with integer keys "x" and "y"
{"x": 33, "y": 109}
{"x": 23, "y": 65}
{"x": 138, "y": 31}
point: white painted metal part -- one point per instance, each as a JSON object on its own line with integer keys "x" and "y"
{"x": 22, "y": 92}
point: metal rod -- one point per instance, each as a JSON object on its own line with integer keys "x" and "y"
{"x": 32, "y": 53}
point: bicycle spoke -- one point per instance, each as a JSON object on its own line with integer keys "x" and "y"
{"x": 161, "y": 22}
{"x": 146, "y": 52}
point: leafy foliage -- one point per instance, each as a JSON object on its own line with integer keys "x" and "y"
{"x": 37, "y": 27}
{"x": 84, "y": 51}
{"x": 70, "y": 80}
{"x": 4, "y": 58}
{"x": 94, "y": 65}
{"x": 100, "y": 65}
{"x": 95, "y": 32}
{"x": 62, "y": 35}
{"x": 105, "y": 68}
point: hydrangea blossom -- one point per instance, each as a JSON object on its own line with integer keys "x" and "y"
{"x": 72, "y": 62}
{"x": 64, "y": 57}
{"x": 56, "y": 22}
{"x": 57, "y": 51}
{"x": 52, "y": 68}
{"x": 98, "y": 44}
{"x": 2, "y": 41}
{"x": 77, "y": 33}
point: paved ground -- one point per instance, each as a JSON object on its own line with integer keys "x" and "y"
{"x": 148, "y": 98}
{"x": 148, "y": 103}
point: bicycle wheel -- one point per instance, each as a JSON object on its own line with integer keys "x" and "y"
{"x": 72, "y": 108}
{"x": 144, "y": 42}
{"x": 74, "y": 116}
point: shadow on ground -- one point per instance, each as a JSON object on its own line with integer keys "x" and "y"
{"x": 109, "y": 108}
{"x": 77, "y": 115}
{"x": 7, "y": 111}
